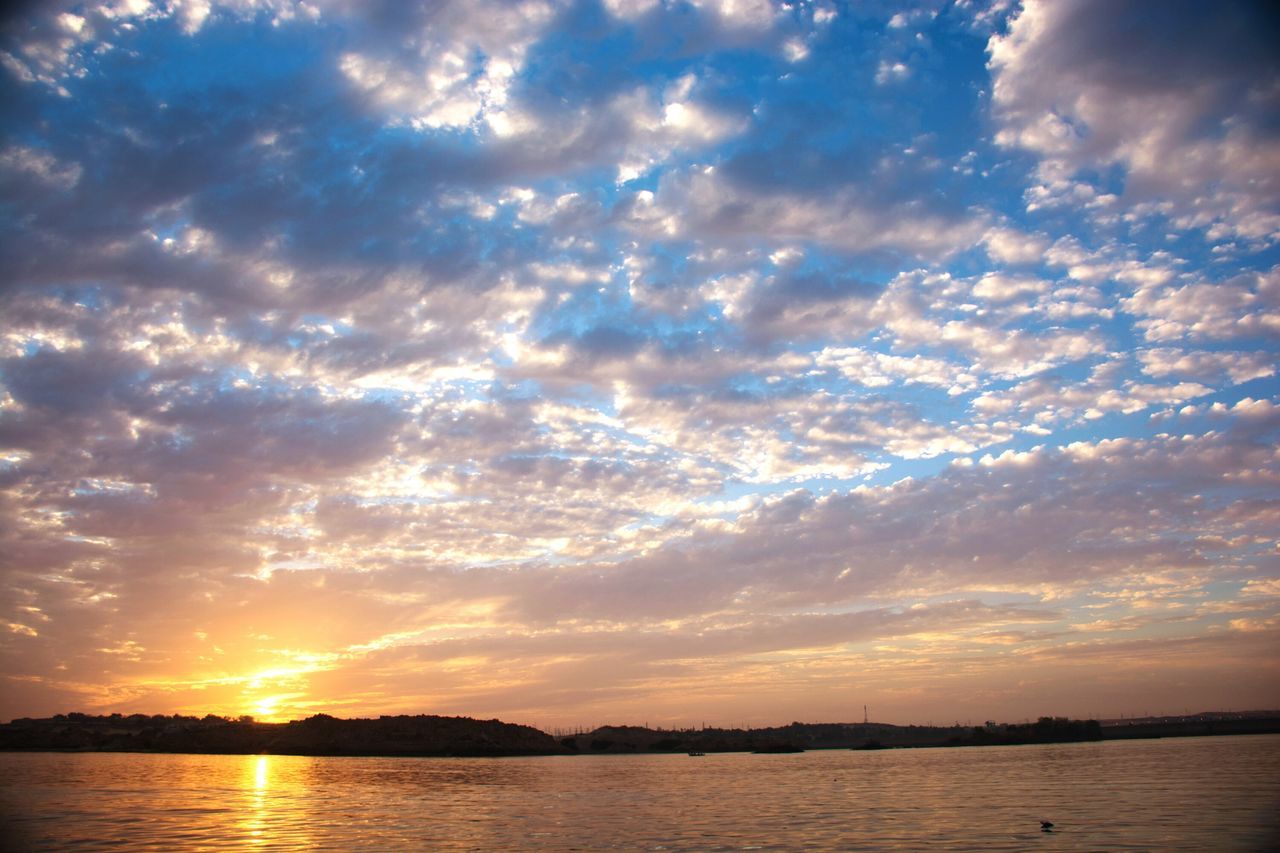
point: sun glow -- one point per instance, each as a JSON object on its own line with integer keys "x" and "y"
{"x": 267, "y": 708}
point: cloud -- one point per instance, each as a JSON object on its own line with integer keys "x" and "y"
{"x": 1204, "y": 365}
{"x": 879, "y": 370}
{"x": 453, "y": 63}
{"x": 523, "y": 358}
{"x": 1010, "y": 246}
{"x": 910, "y": 309}
{"x": 707, "y": 203}
{"x": 1178, "y": 105}
{"x": 1246, "y": 306}
{"x": 889, "y": 72}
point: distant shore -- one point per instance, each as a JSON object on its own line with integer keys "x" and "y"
{"x": 426, "y": 735}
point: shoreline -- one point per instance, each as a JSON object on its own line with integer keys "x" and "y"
{"x": 458, "y": 737}
{"x": 54, "y": 751}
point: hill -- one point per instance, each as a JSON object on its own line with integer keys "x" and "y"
{"x": 425, "y": 735}
{"x": 318, "y": 735}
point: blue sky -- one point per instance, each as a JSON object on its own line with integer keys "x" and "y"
{"x": 639, "y": 359}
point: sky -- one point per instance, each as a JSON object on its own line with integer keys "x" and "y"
{"x": 656, "y": 362}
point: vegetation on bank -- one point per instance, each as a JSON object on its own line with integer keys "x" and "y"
{"x": 1044, "y": 730}
{"x": 425, "y": 735}
{"x": 318, "y": 735}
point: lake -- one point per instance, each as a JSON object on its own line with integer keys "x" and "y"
{"x": 1218, "y": 793}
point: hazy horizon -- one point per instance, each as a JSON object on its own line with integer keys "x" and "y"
{"x": 639, "y": 361}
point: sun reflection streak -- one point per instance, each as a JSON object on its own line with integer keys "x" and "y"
{"x": 274, "y": 803}
{"x": 255, "y": 822}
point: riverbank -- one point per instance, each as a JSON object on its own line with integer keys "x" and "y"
{"x": 426, "y": 735}
{"x": 421, "y": 735}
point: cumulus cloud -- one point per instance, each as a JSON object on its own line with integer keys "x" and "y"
{"x": 703, "y": 201}
{"x": 1010, "y": 246}
{"x": 1237, "y": 366}
{"x": 452, "y": 64}
{"x": 931, "y": 311}
{"x": 1245, "y": 306}
{"x": 1179, "y": 103}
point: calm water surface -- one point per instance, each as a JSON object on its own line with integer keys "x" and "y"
{"x": 1173, "y": 794}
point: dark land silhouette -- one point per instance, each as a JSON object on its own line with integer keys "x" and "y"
{"x": 317, "y": 735}
{"x": 425, "y": 735}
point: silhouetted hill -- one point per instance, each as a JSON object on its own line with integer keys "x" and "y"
{"x": 1205, "y": 723}
{"x": 1044, "y": 730}
{"x": 632, "y": 739}
{"x": 637, "y": 739}
{"x": 404, "y": 735}
{"x": 318, "y": 735}
{"x": 788, "y": 738}
{"x": 462, "y": 736}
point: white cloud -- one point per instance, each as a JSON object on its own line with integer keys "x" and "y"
{"x": 1206, "y": 364}
{"x": 879, "y": 370}
{"x": 1247, "y": 305}
{"x": 41, "y": 165}
{"x": 1000, "y": 287}
{"x": 888, "y": 72}
{"x": 702, "y": 202}
{"x": 1179, "y": 103}
{"x": 631, "y": 8}
{"x": 795, "y": 50}
{"x": 1011, "y": 246}
{"x": 744, "y": 14}
{"x": 923, "y": 311}
{"x": 456, "y": 70}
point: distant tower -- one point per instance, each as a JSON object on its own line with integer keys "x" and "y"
{"x": 864, "y": 715}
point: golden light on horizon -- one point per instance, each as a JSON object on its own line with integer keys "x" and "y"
{"x": 265, "y": 709}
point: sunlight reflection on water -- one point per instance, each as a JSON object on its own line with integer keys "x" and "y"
{"x": 1195, "y": 793}
{"x": 256, "y": 820}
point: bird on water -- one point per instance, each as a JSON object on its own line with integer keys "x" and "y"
{"x": 1046, "y": 826}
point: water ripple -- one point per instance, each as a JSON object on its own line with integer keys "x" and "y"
{"x": 1173, "y": 794}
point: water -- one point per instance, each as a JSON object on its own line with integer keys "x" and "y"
{"x": 1173, "y": 794}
